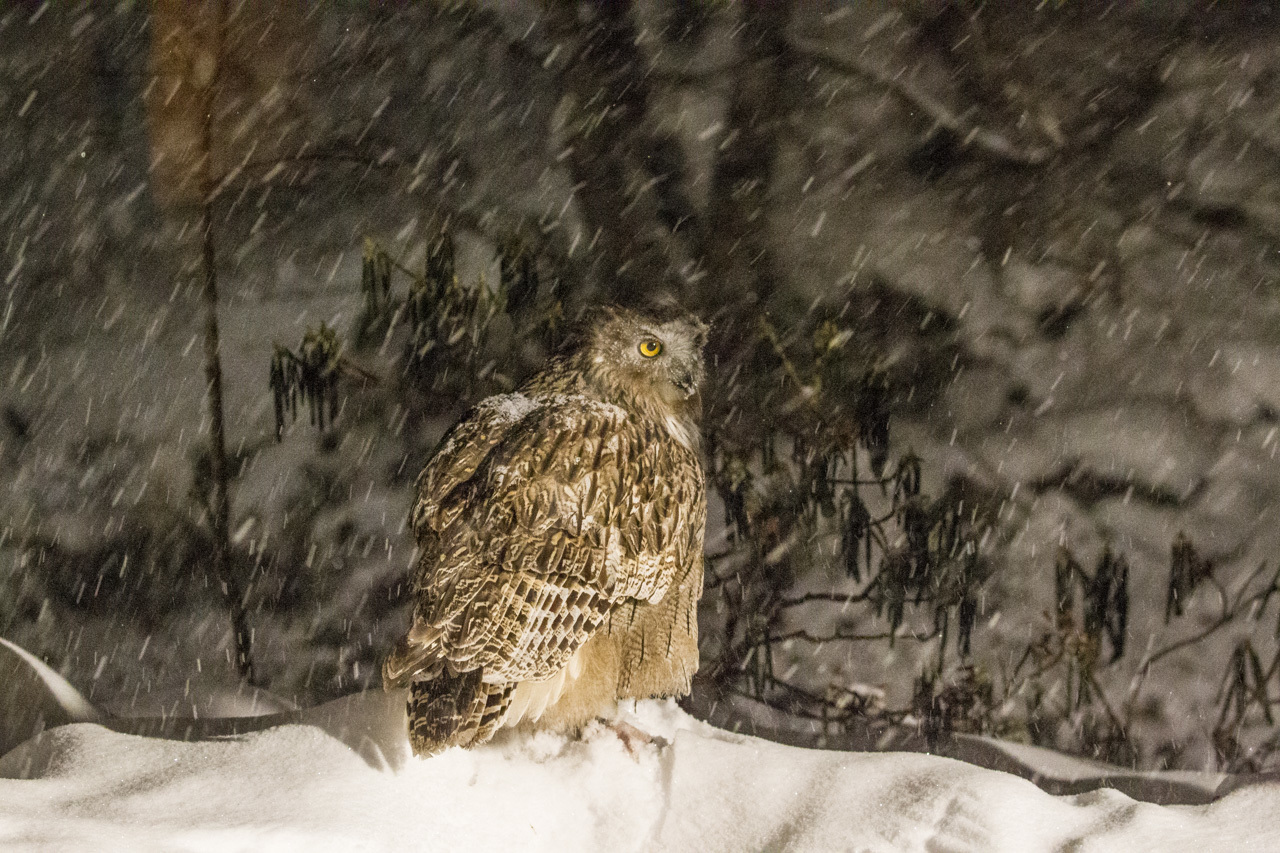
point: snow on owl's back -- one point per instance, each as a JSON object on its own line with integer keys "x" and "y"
{"x": 560, "y": 531}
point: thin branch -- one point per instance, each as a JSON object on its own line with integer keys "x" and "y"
{"x": 1215, "y": 626}
{"x": 877, "y": 481}
{"x": 1228, "y": 616}
{"x": 352, "y": 369}
{"x": 1013, "y": 680}
{"x": 839, "y": 637}
{"x": 1106, "y": 706}
{"x": 219, "y": 499}
{"x": 1263, "y": 595}
{"x": 969, "y": 133}
{"x": 832, "y": 597}
{"x": 856, "y": 709}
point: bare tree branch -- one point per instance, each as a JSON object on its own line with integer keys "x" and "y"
{"x": 738, "y": 249}
{"x": 219, "y": 499}
{"x": 969, "y": 133}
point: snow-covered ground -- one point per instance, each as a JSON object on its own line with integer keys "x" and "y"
{"x": 1161, "y": 387}
{"x": 340, "y": 777}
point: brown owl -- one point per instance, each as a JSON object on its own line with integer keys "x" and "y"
{"x": 560, "y": 533}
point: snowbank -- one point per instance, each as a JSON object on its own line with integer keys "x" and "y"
{"x": 340, "y": 777}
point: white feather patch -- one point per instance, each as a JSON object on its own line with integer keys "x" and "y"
{"x": 680, "y": 432}
{"x": 531, "y": 699}
{"x": 503, "y": 410}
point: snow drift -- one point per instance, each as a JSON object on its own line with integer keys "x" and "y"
{"x": 341, "y": 777}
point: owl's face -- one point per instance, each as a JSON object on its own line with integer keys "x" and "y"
{"x": 654, "y": 356}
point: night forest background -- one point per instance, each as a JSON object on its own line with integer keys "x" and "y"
{"x": 994, "y": 395}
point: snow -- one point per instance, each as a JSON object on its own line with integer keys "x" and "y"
{"x": 341, "y": 777}
{"x": 510, "y": 407}
{"x": 1168, "y": 379}
{"x": 599, "y": 408}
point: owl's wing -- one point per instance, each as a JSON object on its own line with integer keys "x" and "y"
{"x": 573, "y": 513}
{"x": 460, "y": 452}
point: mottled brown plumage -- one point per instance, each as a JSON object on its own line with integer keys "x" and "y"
{"x": 560, "y": 531}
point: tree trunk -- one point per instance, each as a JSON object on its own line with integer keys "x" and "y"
{"x": 738, "y": 253}
{"x": 634, "y": 254}
{"x": 189, "y": 52}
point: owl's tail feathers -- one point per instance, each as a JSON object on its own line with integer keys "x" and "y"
{"x": 408, "y": 661}
{"x": 455, "y": 710}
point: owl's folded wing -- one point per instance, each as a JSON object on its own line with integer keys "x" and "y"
{"x": 576, "y": 516}
{"x": 461, "y": 451}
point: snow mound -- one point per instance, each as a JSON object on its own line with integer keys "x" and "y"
{"x": 341, "y": 777}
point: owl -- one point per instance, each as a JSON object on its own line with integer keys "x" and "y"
{"x": 560, "y": 533}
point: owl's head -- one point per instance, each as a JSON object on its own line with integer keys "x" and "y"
{"x": 653, "y": 357}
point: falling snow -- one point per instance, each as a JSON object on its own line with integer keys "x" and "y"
{"x": 1072, "y": 273}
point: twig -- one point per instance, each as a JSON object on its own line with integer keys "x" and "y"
{"x": 876, "y": 481}
{"x": 839, "y": 637}
{"x": 1106, "y": 706}
{"x": 969, "y": 133}
{"x": 1215, "y": 626}
{"x": 833, "y": 597}
{"x": 350, "y": 367}
{"x": 1228, "y": 616}
{"x": 852, "y": 711}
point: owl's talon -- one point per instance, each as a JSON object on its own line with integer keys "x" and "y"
{"x": 635, "y": 739}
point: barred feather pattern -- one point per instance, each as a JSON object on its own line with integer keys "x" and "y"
{"x": 560, "y": 534}
{"x": 454, "y": 711}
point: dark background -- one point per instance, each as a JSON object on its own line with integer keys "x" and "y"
{"x": 1050, "y": 228}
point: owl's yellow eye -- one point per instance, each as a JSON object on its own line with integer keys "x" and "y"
{"x": 650, "y": 348}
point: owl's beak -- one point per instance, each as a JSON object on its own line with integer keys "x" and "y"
{"x": 685, "y": 382}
